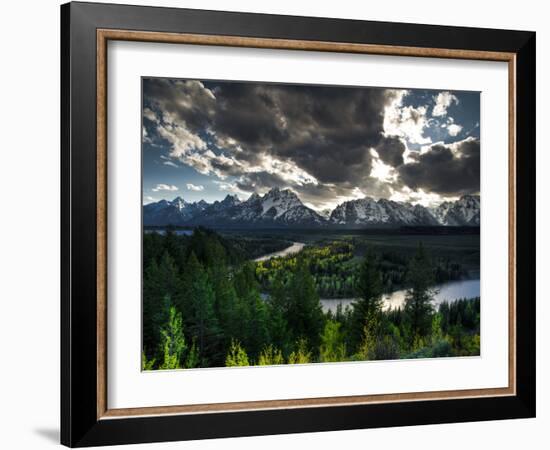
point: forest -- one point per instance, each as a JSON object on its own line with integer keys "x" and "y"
{"x": 206, "y": 303}
{"x": 335, "y": 269}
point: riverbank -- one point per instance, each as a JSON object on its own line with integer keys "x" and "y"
{"x": 296, "y": 247}
{"x": 445, "y": 292}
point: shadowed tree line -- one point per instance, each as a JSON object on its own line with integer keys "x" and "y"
{"x": 203, "y": 307}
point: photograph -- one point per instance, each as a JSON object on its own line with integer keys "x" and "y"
{"x": 271, "y": 225}
{"x": 298, "y": 224}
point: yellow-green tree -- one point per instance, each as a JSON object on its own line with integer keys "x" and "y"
{"x": 172, "y": 341}
{"x": 332, "y": 348}
{"x": 270, "y": 356}
{"x": 301, "y": 355}
{"x": 236, "y": 356}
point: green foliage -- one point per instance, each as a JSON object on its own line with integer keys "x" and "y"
{"x": 437, "y": 333}
{"x": 367, "y": 347}
{"x": 147, "y": 364}
{"x": 172, "y": 341}
{"x": 236, "y": 356}
{"x": 439, "y": 349}
{"x": 161, "y": 282}
{"x": 204, "y": 304}
{"x": 304, "y": 315}
{"x": 270, "y": 356}
{"x": 386, "y": 348}
{"x": 333, "y": 347}
{"x": 335, "y": 269}
{"x": 211, "y": 249}
{"x": 192, "y": 359}
{"x": 254, "y": 247}
{"x": 331, "y": 267}
{"x": 418, "y": 301}
{"x": 301, "y": 355}
{"x": 278, "y": 307}
{"x": 368, "y": 307}
{"x": 201, "y": 319}
{"x": 252, "y": 311}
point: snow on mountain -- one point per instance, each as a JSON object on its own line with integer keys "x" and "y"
{"x": 277, "y": 207}
{"x": 228, "y": 202}
{"x": 367, "y": 211}
{"x": 282, "y": 207}
{"x": 464, "y": 211}
{"x": 174, "y": 212}
{"x": 276, "y": 202}
{"x": 364, "y": 211}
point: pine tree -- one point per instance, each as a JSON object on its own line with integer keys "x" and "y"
{"x": 304, "y": 315}
{"x": 301, "y": 355}
{"x": 236, "y": 356}
{"x": 333, "y": 348}
{"x": 147, "y": 364}
{"x": 367, "y": 347}
{"x": 270, "y": 356}
{"x": 277, "y": 312}
{"x": 418, "y": 308}
{"x": 201, "y": 320}
{"x": 172, "y": 341}
{"x": 192, "y": 359}
{"x": 160, "y": 281}
{"x": 253, "y": 313}
{"x": 226, "y": 303}
{"x": 367, "y": 309}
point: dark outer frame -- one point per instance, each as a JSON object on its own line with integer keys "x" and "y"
{"x": 80, "y": 425}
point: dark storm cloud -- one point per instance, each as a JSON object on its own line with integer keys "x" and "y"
{"x": 325, "y": 131}
{"x": 184, "y": 100}
{"x": 391, "y": 149}
{"x": 313, "y": 139}
{"x": 329, "y": 131}
{"x": 258, "y": 180}
{"x": 452, "y": 169}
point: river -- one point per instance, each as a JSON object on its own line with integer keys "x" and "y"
{"x": 294, "y": 248}
{"x": 449, "y": 291}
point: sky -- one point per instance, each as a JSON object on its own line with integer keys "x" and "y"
{"x": 329, "y": 144}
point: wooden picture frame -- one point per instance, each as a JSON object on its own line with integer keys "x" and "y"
{"x": 86, "y": 418}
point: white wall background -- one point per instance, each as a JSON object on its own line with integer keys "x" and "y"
{"x": 29, "y": 224}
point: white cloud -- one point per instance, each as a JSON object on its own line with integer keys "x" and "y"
{"x": 164, "y": 187}
{"x": 194, "y": 187}
{"x": 170, "y": 163}
{"x": 145, "y": 136}
{"x": 418, "y": 197}
{"x": 232, "y": 187}
{"x": 287, "y": 170}
{"x": 149, "y": 114}
{"x": 442, "y": 101}
{"x": 453, "y": 129}
{"x": 182, "y": 140}
{"x": 407, "y": 122}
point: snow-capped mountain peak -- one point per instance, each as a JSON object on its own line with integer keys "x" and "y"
{"x": 361, "y": 211}
{"x": 464, "y": 211}
{"x": 179, "y": 203}
{"x": 283, "y": 208}
{"x": 277, "y": 202}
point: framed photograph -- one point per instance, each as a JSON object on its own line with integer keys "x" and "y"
{"x": 276, "y": 224}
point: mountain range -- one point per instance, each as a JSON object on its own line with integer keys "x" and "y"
{"x": 281, "y": 208}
